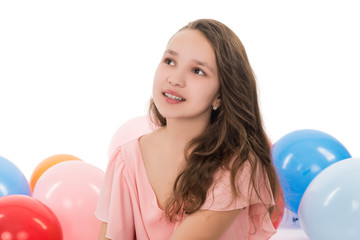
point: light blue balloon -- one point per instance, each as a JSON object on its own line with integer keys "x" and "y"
{"x": 12, "y": 180}
{"x": 330, "y": 207}
{"x": 299, "y": 156}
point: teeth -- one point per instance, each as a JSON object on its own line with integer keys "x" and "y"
{"x": 174, "y": 97}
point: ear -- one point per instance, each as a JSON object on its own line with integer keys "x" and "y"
{"x": 217, "y": 101}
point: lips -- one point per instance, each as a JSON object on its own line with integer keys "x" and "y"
{"x": 173, "y": 96}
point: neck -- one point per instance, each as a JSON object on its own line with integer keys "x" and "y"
{"x": 183, "y": 131}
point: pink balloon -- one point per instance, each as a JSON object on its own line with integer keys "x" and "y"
{"x": 71, "y": 190}
{"x": 131, "y": 130}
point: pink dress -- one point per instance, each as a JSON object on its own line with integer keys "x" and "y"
{"x": 128, "y": 203}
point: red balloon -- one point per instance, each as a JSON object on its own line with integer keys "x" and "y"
{"x": 24, "y": 218}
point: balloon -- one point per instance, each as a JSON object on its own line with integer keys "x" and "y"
{"x": 24, "y": 218}
{"x": 330, "y": 207}
{"x": 130, "y": 130}
{"x": 47, "y": 163}
{"x": 299, "y": 156}
{"x": 71, "y": 190}
{"x": 12, "y": 180}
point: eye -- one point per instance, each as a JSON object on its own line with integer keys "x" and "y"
{"x": 169, "y": 61}
{"x": 199, "y": 72}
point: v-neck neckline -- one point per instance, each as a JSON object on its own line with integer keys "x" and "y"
{"x": 147, "y": 180}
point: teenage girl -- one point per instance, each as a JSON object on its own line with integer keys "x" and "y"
{"x": 206, "y": 171}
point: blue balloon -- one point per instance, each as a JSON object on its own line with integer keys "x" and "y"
{"x": 12, "y": 180}
{"x": 299, "y": 156}
{"x": 330, "y": 207}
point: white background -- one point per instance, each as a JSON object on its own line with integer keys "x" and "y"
{"x": 71, "y": 71}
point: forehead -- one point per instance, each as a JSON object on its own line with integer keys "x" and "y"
{"x": 193, "y": 44}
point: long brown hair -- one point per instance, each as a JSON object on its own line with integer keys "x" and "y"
{"x": 234, "y": 130}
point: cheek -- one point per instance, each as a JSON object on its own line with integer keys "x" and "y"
{"x": 160, "y": 75}
{"x": 204, "y": 96}
{"x": 155, "y": 88}
{"x": 156, "y": 80}
{"x": 211, "y": 92}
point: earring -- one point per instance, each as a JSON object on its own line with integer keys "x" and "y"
{"x": 214, "y": 108}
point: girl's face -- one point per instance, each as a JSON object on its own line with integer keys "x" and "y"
{"x": 186, "y": 83}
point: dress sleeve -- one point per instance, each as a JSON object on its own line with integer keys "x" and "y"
{"x": 114, "y": 204}
{"x": 253, "y": 218}
{"x": 220, "y": 196}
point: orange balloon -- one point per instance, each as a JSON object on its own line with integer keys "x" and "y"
{"x": 47, "y": 163}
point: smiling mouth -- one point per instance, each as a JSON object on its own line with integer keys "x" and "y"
{"x": 173, "y": 97}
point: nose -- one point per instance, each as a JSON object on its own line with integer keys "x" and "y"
{"x": 177, "y": 78}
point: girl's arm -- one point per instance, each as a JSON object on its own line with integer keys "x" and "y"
{"x": 103, "y": 232}
{"x": 205, "y": 224}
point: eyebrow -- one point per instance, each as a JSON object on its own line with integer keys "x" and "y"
{"x": 198, "y": 62}
{"x": 172, "y": 52}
